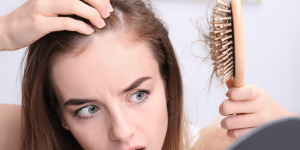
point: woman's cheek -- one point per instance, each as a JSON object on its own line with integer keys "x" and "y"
{"x": 90, "y": 133}
{"x": 159, "y": 119}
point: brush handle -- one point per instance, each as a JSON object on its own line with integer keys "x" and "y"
{"x": 238, "y": 43}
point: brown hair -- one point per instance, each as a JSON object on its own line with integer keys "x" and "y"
{"x": 132, "y": 20}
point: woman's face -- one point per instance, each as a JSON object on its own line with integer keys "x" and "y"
{"x": 112, "y": 96}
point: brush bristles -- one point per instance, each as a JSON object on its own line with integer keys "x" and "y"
{"x": 221, "y": 41}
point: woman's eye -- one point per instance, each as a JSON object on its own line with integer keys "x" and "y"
{"x": 138, "y": 96}
{"x": 88, "y": 110}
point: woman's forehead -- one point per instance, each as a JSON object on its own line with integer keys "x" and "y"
{"x": 106, "y": 63}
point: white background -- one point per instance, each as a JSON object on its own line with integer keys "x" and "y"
{"x": 271, "y": 44}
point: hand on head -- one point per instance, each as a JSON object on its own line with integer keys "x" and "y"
{"x": 36, "y": 18}
{"x": 253, "y": 107}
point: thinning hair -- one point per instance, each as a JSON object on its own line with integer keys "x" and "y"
{"x": 133, "y": 20}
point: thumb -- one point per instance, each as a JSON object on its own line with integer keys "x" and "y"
{"x": 230, "y": 83}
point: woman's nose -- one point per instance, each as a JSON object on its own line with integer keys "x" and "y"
{"x": 121, "y": 127}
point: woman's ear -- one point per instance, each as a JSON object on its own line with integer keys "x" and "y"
{"x": 166, "y": 92}
{"x": 58, "y": 112}
{"x": 62, "y": 120}
{"x": 167, "y": 96}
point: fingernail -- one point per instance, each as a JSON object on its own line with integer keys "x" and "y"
{"x": 91, "y": 30}
{"x": 111, "y": 9}
{"x": 227, "y": 93}
{"x": 107, "y": 14}
{"x": 235, "y": 133}
{"x": 102, "y": 23}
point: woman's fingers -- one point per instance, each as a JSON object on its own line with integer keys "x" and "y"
{"x": 229, "y": 107}
{"x": 252, "y": 106}
{"x": 248, "y": 92}
{"x": 40, "y": 17}
{"x": 65, "y": 23}
{"x": 230, "y": 83}
{"x": 243, "y": 121}
{"x": 237, "y": 133}
{"x": 103, "y": 6}
{"x": 68, "y": 7}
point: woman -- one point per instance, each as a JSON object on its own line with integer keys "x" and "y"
{"x": 118, "y": 87}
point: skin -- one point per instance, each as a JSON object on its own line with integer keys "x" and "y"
{"x": 39, "y": 17}
{"x": 101, "y": 73}
{"x": 10, "y": 127}
{"x": 254, "y": 107}
{"x": 221, "y": 138}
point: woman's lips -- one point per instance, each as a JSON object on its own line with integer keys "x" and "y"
{"x": 137, "y": 148}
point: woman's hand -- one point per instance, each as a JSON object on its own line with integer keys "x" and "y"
{"x": 36, "y": 18}
{"x": 253, "y": 106}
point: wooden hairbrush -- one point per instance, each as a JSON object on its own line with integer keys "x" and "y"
{"x": 227, "y": 41}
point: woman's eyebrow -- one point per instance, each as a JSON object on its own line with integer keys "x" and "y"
{"x": 76, "y": 102}
{"x": 135, "y": 84}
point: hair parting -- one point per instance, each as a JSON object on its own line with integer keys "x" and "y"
{"x": 133, "y": 21}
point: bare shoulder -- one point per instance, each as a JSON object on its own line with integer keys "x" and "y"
{"x": 219, "y": 140}
{"x": 10, "y": 126}
{"x": 212, "y": 137}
